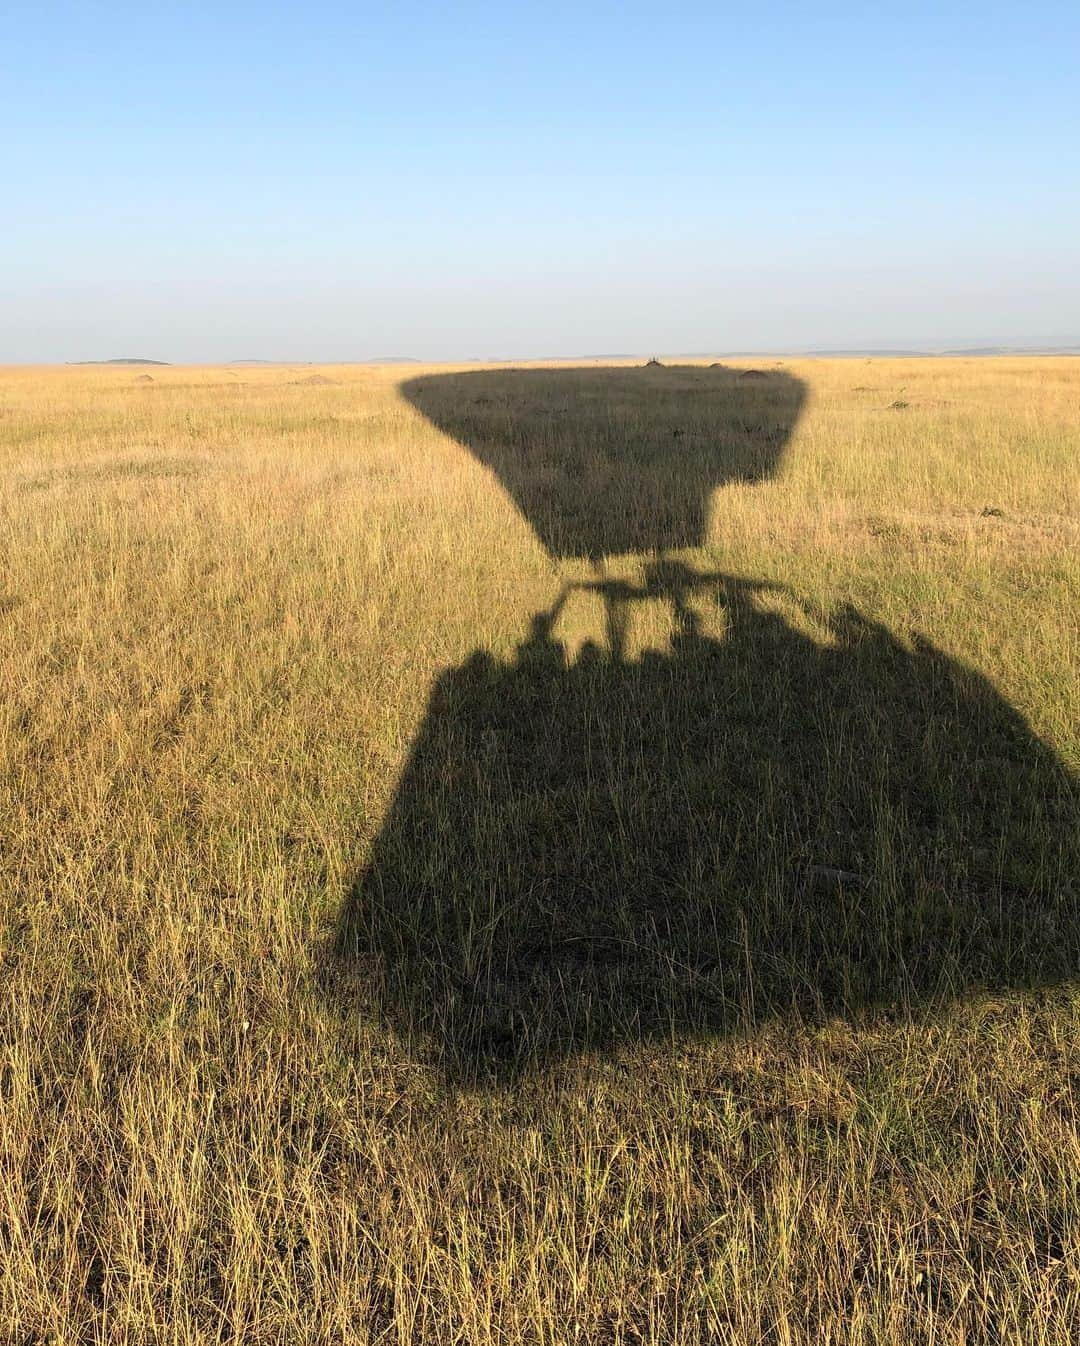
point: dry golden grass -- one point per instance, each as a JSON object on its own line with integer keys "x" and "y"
{"x": 226, "y": 599}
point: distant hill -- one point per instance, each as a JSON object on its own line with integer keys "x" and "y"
{"x": 884, "y": 352}
{"x": 1014, "y": 350}
{"x": 867, "y": 352}
{"x": 372, "y": 360}
{"x": 889, "y": 352}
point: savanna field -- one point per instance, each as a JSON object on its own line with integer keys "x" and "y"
{"x": 573, "y": 854}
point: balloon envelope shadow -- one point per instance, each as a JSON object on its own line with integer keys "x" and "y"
{"x": 587, "y": 852}
{"x": 612, "y": 460}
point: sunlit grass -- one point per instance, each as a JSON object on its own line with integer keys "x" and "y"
{"x": 226, "y": 598}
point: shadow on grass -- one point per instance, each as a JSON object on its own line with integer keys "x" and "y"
{"x": 586, "y": 852}
{"x": 613, "y": 460}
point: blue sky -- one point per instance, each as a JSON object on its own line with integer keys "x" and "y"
{"x": 449, "y": 181}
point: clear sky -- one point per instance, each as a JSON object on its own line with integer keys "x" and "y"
{"x": 339, "y": 181}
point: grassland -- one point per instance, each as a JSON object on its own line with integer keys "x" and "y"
{"x": 540, "y": 857}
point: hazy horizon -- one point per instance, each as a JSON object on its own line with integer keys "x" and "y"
{"x": 1052, "y": 346}
{"x": 324, "y": 185}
